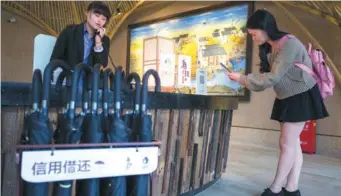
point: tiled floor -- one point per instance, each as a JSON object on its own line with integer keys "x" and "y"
{"x": 252, "y": 168}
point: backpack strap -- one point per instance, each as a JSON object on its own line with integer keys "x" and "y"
{"x": 307, "y": 69}
{"x": 300, "y": 65}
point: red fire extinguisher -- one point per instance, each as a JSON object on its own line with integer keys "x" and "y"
{"x": 308, "y": 137}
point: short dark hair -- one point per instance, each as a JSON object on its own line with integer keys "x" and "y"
{"x": 100, "y": 8}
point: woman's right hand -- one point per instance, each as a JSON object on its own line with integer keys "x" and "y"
{"x": 234, "y": 76}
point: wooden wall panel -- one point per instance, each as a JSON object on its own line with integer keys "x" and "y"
{"x": 168, "y": 176}
{"x": 160, "y": 133}
{"x": 12, "y": 124}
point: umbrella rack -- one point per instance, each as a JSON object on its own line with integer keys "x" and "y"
{"x": 105, "y": 153}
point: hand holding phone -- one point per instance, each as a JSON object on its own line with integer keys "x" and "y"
{"x": 99, "y": 34}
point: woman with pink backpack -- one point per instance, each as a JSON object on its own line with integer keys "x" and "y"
{"x": 286, "y": 67}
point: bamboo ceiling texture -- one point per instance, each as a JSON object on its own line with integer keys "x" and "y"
{"x": 329, "y": 10}
{"x": 53, "y": 16}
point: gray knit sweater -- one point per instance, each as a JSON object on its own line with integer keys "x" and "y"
{"x": 285, "y": 78}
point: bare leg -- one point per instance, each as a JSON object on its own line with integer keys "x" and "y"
{"x": 294, "y": 175}
{"x": 288, "y": 143}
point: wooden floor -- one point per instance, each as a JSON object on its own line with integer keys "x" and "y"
{"x": 250, "y": 169}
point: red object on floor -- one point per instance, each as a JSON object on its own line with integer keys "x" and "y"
{"x": 308, "y": 137}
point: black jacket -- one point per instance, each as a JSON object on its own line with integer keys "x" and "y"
{"x": 70, "y": 47}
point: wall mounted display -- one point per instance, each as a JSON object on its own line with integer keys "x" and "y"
{"x": 197, "y": 42}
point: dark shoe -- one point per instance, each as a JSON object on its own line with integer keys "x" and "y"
{"x": 288, "y": 193}
{"x": 268, "y": 192}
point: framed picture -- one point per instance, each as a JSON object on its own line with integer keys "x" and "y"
{"x": 193, "y": 50}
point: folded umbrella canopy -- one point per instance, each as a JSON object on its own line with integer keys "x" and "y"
{"x": 58, "y": 134}
{"x": 145, "y": 125}
{"x": 105, "y": 98}
{"x": 30, "y": 120}
{"x": 85, "y": 92}
{"x": 118, "y": 132}
{"x": 106, "y": 117}
{"x": 64, "y": 92}
{"x": 64, "y": 95}
{"x": 92, "y": 133}
{"x": 39, "y": 128}
{"x": 106, "y": 75}
{"x": 132, "y": 120}
{"x": 69, "y": 129}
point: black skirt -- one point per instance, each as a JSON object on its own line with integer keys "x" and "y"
{"x": 301, "y": 107}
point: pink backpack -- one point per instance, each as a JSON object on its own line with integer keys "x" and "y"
{"x": 321, "y": 72}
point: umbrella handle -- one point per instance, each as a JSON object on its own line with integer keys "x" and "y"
{"x": 123, "y": 78}
{"x": 136, "y": 77}
{"x": 118, "y": 75}
{"x": 37, "y": 83}
{"x": 112, "y": 81}
{"x": 60, "y": 80}
{"x": 145, "y": 87}
{"x": 95, "y": 86}
{"x": 107, "y": 73}
{"x": 74, "y": 87}
{"x": 54, "y": 64}
{"x": 59, "y": 84}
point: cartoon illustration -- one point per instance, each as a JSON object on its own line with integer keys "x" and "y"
{"x": 211, "y": 38}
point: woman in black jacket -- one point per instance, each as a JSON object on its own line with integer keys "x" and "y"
{"x": 85, "y": 42}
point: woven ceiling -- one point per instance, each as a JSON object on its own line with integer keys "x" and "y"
{"x": 54, "y": 16}
{"x": 329, "y": 10}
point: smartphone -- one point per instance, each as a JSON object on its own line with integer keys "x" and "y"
{"x": 226, "y": 68}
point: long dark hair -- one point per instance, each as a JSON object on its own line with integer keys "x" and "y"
{"x": 264, "y": 20}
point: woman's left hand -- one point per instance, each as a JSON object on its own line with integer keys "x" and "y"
{"x": 234, "y": 76}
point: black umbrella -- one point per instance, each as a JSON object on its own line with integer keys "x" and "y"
{"x": 85, "y": 92}
{"x": 64, "y": 93}
{"x": 58, "y": 134}
{"x": 106, "y": 74}
{"x": 54, "y": 64}
{"x": 30, "y": 121}
{"x": 142, "y": 181}
{"x": 39, "y": 128}
{"x": 106, "y": 117}
{"x": 69, "y": 128}
{"x": 92, "y": 133}
{"x": 132, "y": 120}
{"x": 105, "y": 114}
{"x": 118, "y": 132}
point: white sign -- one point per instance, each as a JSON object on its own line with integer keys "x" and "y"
{"x": 184, "y": 70}
{"x": 42, "y": 166}
{"x": 201, "y": 81}
{"x": 167, "y": 69}
{"x": 43, "y": 48}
